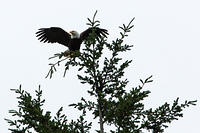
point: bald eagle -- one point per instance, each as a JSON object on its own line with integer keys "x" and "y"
{"x": 72, "y": 40}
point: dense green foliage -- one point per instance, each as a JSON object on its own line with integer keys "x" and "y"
{"x": 115, "y": 104}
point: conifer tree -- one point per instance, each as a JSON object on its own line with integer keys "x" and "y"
{"x": 115, "y": 104}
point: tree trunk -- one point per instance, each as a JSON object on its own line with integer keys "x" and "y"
{"x": 100, "y": 116}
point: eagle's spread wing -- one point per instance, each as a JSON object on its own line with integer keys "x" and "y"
{"x": 98, "y": 31}
{"x": 53, "y": 35}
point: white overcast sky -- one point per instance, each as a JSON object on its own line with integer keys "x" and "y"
{"x": 166, "y": 42}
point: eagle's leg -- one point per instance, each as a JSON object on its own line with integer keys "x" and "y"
{"x": 68, "y": 53}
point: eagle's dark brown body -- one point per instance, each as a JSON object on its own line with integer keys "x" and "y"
{"x": 74, "y": 44}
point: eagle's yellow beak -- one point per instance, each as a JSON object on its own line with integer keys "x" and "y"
{"x": 71, "y": 32}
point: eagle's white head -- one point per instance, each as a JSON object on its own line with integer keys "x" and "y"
{"x": 74, "y": 34}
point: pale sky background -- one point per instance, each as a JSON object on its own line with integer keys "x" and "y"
{"x": 166, "y": 42}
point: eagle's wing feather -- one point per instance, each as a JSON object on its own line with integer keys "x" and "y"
{"x": 98, "y": 31}
{"x": 53, "y": 35}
